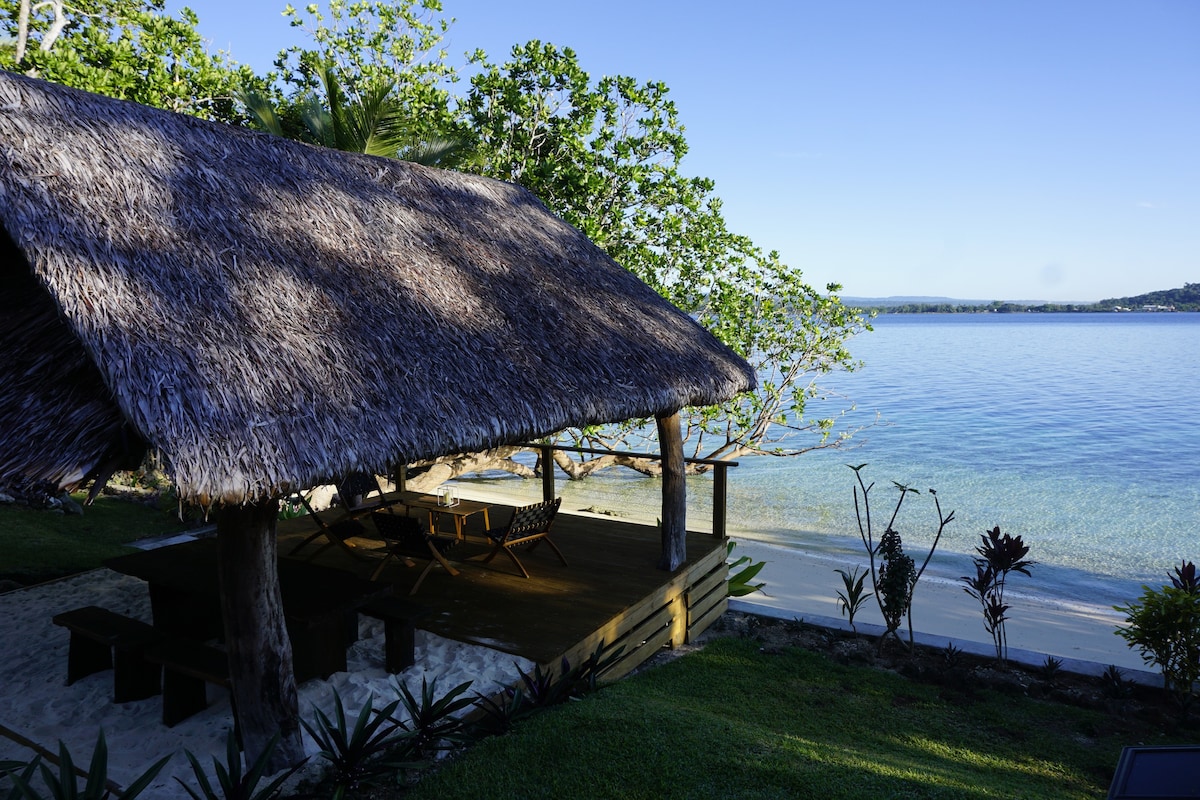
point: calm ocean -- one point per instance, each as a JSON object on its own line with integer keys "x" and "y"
{"x": 1080, "y": 432}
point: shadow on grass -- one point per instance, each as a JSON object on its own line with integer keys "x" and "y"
{"x": 731, "y": 721}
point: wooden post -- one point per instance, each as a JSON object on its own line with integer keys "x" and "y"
{"x": 256, "y": 637}
{"x": 401, "y": 478}
{"x": 547, "y": 473}
{"x": 720, "y": 499}
{"x": 674, "y": 500}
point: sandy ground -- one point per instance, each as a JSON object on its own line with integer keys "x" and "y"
{"x": 38, "y": 706}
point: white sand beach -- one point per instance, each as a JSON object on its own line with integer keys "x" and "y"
{"x": 38, "y": 706}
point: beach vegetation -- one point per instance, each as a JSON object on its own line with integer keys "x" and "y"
{"x": 434, "y": 723}
{"x": 606, "y": 154}
{"x": 999, "y": 555}
{"x": 368, "y": 120}
{"x": 365, "y": 46}
{"x": 232, "y": 783}
{"x": 854, "y": 594}
{"x": 742, "y": 571}
{"x": 1163, "y": 625}
{"x": 498, "y": 713}
{"x": 355, "y": 754}
{"x": 894, "y": 574}
{"x": 64, "y": 785}
{"x": 1114, "y": 684}
{"x": 26, "y": 771}
{"x": 543, "y": 687}
{"x": 1050, "y": 670}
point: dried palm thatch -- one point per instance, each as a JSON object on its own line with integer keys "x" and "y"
{"x": 268, "y": 315}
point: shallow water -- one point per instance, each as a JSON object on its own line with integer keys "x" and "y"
{"x": 1079, "y": 432}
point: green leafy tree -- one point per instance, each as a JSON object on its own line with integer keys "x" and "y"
{"x": 375, "y": 49}
{"x": 370, "y": 122}
{"x": 607, "y": 156}
{"x": 128, "y": 49}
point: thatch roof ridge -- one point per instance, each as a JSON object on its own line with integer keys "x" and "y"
{"x": 269, "y": 314}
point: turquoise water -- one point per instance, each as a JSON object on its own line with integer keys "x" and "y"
{"x": 1081, "y": 433}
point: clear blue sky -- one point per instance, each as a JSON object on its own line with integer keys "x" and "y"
{"x": 976, "y": 149}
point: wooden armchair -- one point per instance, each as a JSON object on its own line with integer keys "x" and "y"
{"x": 530, "y": 525}
{"x": 405, "y": 538}
{"x": 351, "y": 490}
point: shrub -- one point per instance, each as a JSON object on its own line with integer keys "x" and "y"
{"x": 851, "y": 600}
{"x": 998, "y": 556}
{"x": 354, "y": 754}
{"x": 739, "y": 580}
{"x": 1164, "y": 626}
{"x": 63, "y": 786}
{"x": 232, "y": 783}
{"x": 894, "y": 574}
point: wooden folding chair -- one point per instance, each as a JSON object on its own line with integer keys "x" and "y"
{"x": 355, "y": 485}
{"x": 404, "y": 538}
{"x": 530, "y": 525}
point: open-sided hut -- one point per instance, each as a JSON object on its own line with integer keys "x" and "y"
{"x": 268, "y": 315}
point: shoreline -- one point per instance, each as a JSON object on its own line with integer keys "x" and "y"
{"x": 801, "y": 584}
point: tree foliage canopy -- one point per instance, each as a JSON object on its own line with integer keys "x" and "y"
{"x": 128, "y": 49}
{"x": 368, "y": 44}
{"x": 605, "y": 154}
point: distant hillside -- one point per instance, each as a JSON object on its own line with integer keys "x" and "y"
{"x": 887, "y": 302}
{"x": 1185, "y": 299}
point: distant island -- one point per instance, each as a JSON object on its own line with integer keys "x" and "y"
{"x": 1166, "y": 300}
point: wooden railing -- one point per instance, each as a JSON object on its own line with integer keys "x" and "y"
{"x": 720, "y": 475}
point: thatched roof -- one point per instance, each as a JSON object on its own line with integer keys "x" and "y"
{"x": 269, "y": 315}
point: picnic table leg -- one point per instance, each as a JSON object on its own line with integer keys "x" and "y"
{"x": 86, "y": 657}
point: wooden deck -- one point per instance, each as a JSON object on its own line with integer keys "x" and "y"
{"x": 611, "y": 592}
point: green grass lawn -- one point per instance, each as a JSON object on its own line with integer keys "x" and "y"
{"x": 40, "y": 545}
{"x": 732, "y": 722}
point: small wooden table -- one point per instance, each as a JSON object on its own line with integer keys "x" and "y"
{"x": 459, "y": 511}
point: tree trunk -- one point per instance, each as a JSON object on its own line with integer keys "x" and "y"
{"x": 22, "y": 32}
{"x": 450, "y": 467}
{"x": 260, "y": 652}
{"x": 674, "y": 493}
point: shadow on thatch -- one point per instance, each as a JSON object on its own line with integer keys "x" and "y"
{"x": 269, "y": 314}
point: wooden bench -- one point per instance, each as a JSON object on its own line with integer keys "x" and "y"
{"x": 187, "y": 667}
{"x": 103, "y": 639}
{"x": 399, "y": 629}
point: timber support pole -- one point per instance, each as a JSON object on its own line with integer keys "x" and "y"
{"x": 256, "y": 637}
{"x": 547, "y": 456}
{"x": 673, "y": 525}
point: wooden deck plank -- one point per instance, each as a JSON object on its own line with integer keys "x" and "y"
{"x": 610, "y": 586}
